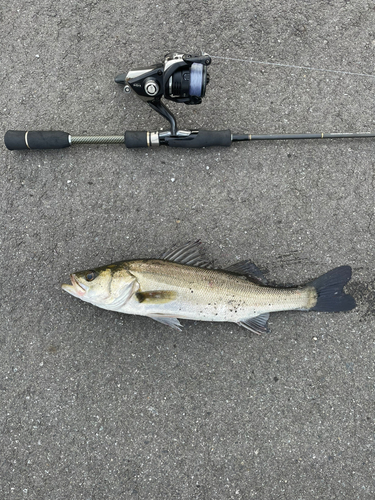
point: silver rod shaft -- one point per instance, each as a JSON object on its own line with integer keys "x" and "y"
{"x": 97, "y": 139}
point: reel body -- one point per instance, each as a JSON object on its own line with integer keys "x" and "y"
{"x": 180, "y": 78}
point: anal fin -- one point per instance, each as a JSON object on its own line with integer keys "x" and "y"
{"x": 258, "y": 324}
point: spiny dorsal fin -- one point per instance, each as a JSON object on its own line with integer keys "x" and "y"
{"x": 257, "y": 325}
{"x": 248, "y": 268}
{"x": 189, "y": 254}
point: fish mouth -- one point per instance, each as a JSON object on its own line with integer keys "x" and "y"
{"x": 76, "y": 288}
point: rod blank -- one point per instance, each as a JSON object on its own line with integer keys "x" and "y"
{"x": 283, "y": 137}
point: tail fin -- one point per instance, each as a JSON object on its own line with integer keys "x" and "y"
{"x": 329, "y": 288}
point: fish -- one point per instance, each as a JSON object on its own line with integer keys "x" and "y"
{"x": 183, "y": 284}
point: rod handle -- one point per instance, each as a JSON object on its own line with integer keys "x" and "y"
{"x": 136, "y": 139}
{"x": 202, "y": 139}
{"x": 49, "y": 139}
{"x": 199, "y": 139}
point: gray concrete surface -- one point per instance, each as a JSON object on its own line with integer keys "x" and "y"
{"x": 98, "y": 405}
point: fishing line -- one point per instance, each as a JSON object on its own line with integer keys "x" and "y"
{"x": 294, "y": 66}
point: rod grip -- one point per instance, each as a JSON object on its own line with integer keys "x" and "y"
{"x": 202, "y": 139}
{"x": 136, "y": 139}
{"x": 49, "y": 139}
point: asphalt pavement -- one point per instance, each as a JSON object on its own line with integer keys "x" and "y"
{"x": 98, "y": 405}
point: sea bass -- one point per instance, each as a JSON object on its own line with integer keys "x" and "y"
{"x": 183, "y": 285}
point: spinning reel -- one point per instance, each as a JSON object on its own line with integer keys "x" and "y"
{"x": 181, "y": 78}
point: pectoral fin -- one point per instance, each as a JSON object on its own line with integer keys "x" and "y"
{"x": 156, "y": 296}
{"x": 167, "y": 320}
{"x": 257, "y": 325}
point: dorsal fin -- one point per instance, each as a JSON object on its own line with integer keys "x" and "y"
{"x": 189, "y": 254}
{"x": 248, "y": 268}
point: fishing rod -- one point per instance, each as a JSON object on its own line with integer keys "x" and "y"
{"x": 180, "y": 78}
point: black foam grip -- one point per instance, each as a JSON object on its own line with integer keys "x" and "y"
{"x": 136, "y": 139}
{"x": 203, "y": 139}
{"x": 49, "y": 139}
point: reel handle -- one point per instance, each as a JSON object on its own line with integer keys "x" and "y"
{"x": 22, "y": 139}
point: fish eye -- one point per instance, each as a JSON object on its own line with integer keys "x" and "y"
{"x": 91, "y": 275}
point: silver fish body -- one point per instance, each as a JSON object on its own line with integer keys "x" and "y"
{"x": 181, "y": 285}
